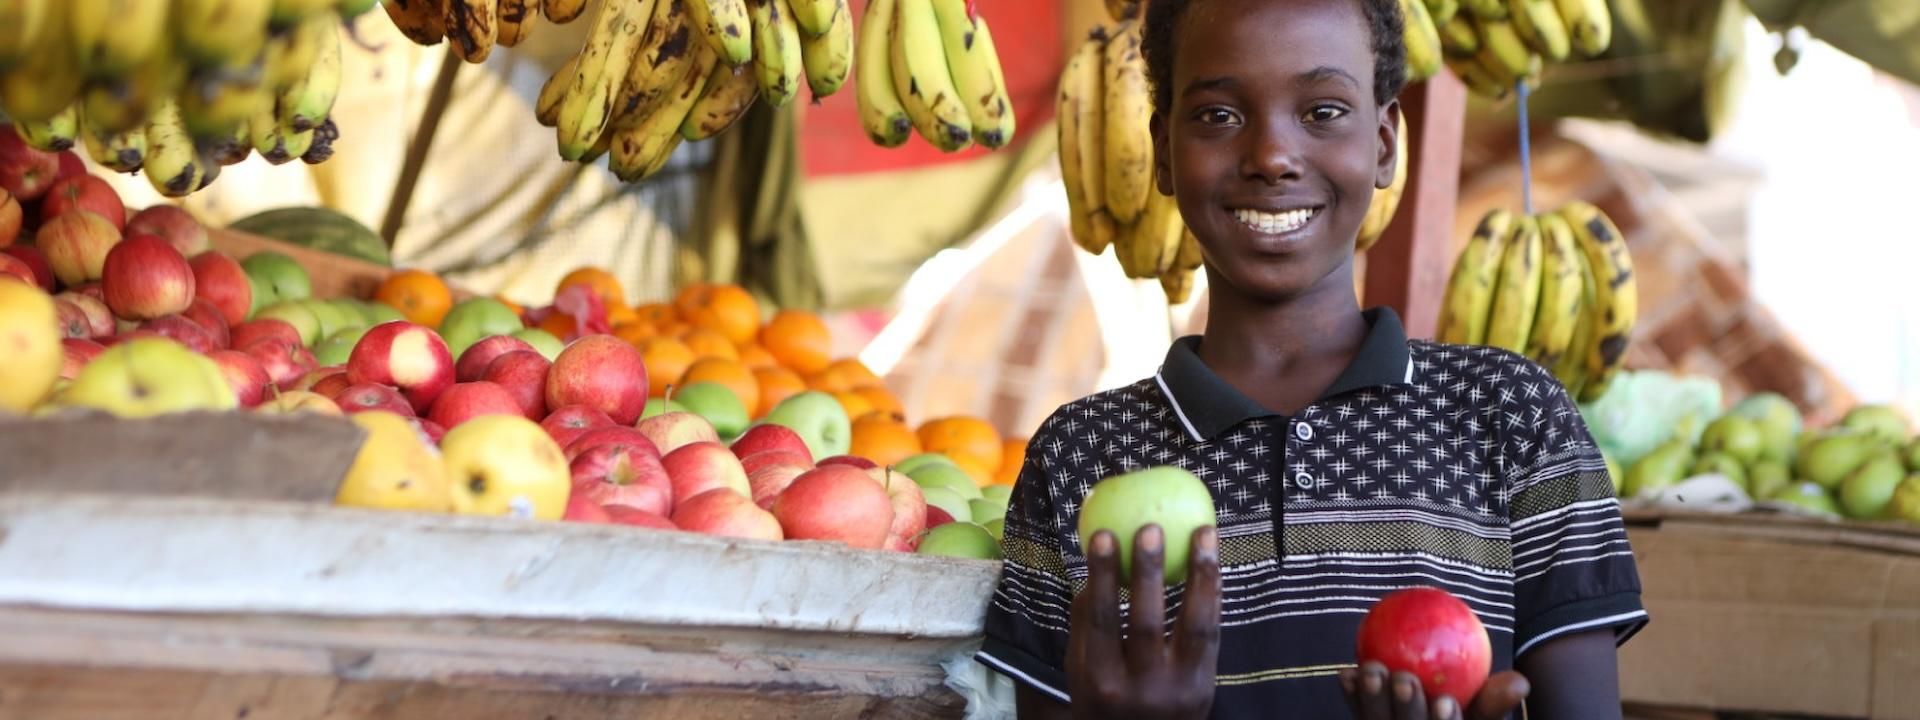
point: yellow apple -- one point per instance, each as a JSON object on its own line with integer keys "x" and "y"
{"x": 150, "y": 376}
{"x": 506, "y": 465}
{"x": 30, "y": 352}
{"x": 295, "y": 401}
{"x": 397, "y": 468}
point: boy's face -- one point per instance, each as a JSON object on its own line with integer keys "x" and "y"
{"x": 1274, "y": 145}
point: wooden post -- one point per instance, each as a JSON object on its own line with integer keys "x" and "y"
{"x": 1408, "y": 269}
{"x": 416, "y": 157}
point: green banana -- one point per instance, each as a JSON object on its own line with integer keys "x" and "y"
{"x": 1129, "y": 111}
{"x": 922, "y": 80}
{"x": 975, "y": 66}
{"x": 1616, "y": 298}
{"x": 1422, "y": 40}
{"x": 829, "y": 56}
{"x": 220, "y": 33}
{"x": 815, "y": 17}
{"x": 117, "y": 151}
{"x": 173, "y": 166}
{"x": 727, "y": 27}
{"x": 309, "y": 101}
{"x": 1081, "y": 129}
{"x": 776, "y": 60}
{"x": 1516, "y": 297}
{"x": 881, "y": 112}
{"x": 587, "y": 109}
{"x": 728, "y": 93}
{"x": 1539, "y": 24}
{"x": 1562, "y": 285}
{"x": 1589, "y": 25}
{"x": 1470, "y": 290}
{"x": 275, "y": 141}
{"x": 231, "y": 149}
{"x": 111, "y": 37}
{"x": 55, "y": 134}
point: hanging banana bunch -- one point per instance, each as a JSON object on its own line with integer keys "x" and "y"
{"x": 1556, "y": 287}
{"x": 1493, "y": 45}
{"x": 930, "y": 66}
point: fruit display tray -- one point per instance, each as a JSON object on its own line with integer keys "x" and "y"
{"x": 139, "y": 607}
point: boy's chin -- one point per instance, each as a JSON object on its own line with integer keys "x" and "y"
{"x": 1279, "y": 281}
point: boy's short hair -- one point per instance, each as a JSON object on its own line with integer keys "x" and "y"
{"x": 1384, "y": 24}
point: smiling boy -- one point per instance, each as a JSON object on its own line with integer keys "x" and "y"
{"x": 1345, "y": 459}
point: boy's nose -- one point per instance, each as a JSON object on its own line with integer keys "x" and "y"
{"x": 1272, "y": 157}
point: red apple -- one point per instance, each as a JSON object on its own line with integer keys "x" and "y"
{"x": 210, "y": 319}
{"x": 177, "y": 226}
{"x": 99, "y": 319}
{"x": 371, "y": 396}
{"x": 473, "y": 363}
{"x": 836, "y": 503}
{"x": 433, "y": 430}
{"x": 36, "y": 261}
{"x": 769, "y": 480}
{"x": 936, "y": 516}
{"x": 608, "y": 435}
{"x": 331, "y": 384}
{"x": 853, "y": 461}
{"x": 70, "y": 165}
{"x": 623, "y": 474}
{"x": 25, "y": 171}
{"x": 19, "y": 269}
{"x": 566, "y": 424}
{"x": 313, "y": 377}
{"x": 92, "y": 290}
{"x": 128, "y": 336}
{"x": 75, "y": 354}
{"x": 582, "y": 510}
{"x": 184, "y": 331}
{"x": 466, "y": 401}
{"x": 284, "y": 362}
{"x": 77, "y": 244}
{"x": 146, "y": 278}
{"x": 704, "y": 466}
{"x": 774, "y": 457}
{"x": 246, "y": 333}
{"x": 218, "y": 279}
{"x": 11, "y": 218}
{"x": 523, "y": 374}
{"x": 1433, "y": 635}
{"x": 244, "y": 374}
{"x": 73, "y": 320}
{"x": 84, "y": 192}
{"x": 406, "y": 356}
{"x": 908, "y": 503}
{"x": 675, "y": 430}
{"x": 603, "y": 372}
{"x": 726, "y": 513}
{"x": 761, "y": 438}
{"x": 623, "y": 515}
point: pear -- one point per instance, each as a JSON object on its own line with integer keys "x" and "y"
{"x": 1779, "y": 422}
{"x": 1905, "y": 504}
{"x": 1878, "y": 421}
{"x": 1809, "y": 497}
{"x": 1767, "y": 477}
{"x": 1869, "y": 488}
{"x": 1724, "y": 465}
{"x": 1832, "y": 458}
{"x": 1734, "y": 436}
{"x": 1666, "y": 466}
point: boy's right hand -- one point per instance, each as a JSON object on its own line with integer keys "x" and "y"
{"x": 1145, "y": 676}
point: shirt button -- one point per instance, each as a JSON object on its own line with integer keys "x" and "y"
{"x": 1303, "y": 431}
{"x": 1303, "y": 480}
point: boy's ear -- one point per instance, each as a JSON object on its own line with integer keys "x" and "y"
{"x": 1162, "y": 160}
{"x": 1389, "y": 145}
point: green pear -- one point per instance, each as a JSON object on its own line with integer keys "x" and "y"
{"x": 1880, "y": 422}
{"x": 945, "y": 476}
{"x": 1913, "y": 455}
{"x": 997, "y": 528}
{"x": 1724, "y": 465}
{"x": 1779, "y": 422}
{"x": 961, "y": 540}
{"x": 1833, "y": 457}
{"x": 914, "y": 462}
{"x": 1002, "y": 494}
{"x": 1809, "y": 497}
{"x": 1734, "y": 436}
{"x": 1905, "y": 504}
{"x": 1615, "y": 475}
{"x": 1766, "y": 477}
{"x": 1665, "y": 467}
{"x": 984, "y": 510}
{"x": 1866, "y": 491}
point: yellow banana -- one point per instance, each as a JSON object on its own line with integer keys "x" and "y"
{"x": 1459, "y": 39}
{"x": 422, "y": 21}
{"x": 515, "y": 18}
{"x": 122, "y": 104}
{"x": 1422, "y": 39}
{"x": 1516, "y": 298}
{"x": 975, "y": 67}
{"x": 117, "y": 151}
{"x": 350, "y": 9}
{"x": 829, "y": 56}
{"x": 922, "y": 81}
{"x": 1386, "y": 202}
{"x": 600, "y": 148}
{"x": 217, "y": 102}
{"x": 1178, "y": 284}
{"x": 1191, "y": 255}
{"x": 288, "y": 13}
{"x": 546, "y": 109}
{"x": 588, "y": 106}
{"x": 1129, "y": 164}
{"x": 1123, "y": 9}
{"x": 231, "y": 149}
{"x": 640, "y": 151}
{"x": 322, "y": 147}
{"x": 1080, "y": 131}
{"x": 727, "y": 27}
{"x": 561, "y": 12}
{"x": 665, "y": 54}
{"x": 1571, "y": 368}
{"x": 1145, "y": 252}
{"x": 1589, "y": 25}
{"x": 1615, "y": 295}
{"x": 1539, "y": 24}
{"x": 275, "y": 141}
{"x": 1563, "y": 283}
{"x": 1486, "y": 9}
{"x": 1107, "y": 231}
{"x": 776, "y": 53}
{"x": 815, "y": 17}
{"x": 172, "y": 166}
{"x": 113, "y": 36}
{"x": 1502, "y": 50}
{"x": 728, "y": 93}
{"x": 55, "y": 134}
{"x": 472, "y": 28}
{"x": 308, "y": 101}
{"x": 220, "y": 33}
{"x": 1442, "y": 11}
{"x": 46, "y": 80}
{"x": 21, "y": 23}
{"x": 881, "y": 112}
{"x": 1463, "y": 315}
{"x": 290, "y": 55}
{"x": 1478, "y": 78}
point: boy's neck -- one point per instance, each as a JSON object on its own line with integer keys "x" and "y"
{"x": 1284, "y": 354}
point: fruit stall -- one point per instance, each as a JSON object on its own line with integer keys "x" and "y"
{"x": 718, "y": 414}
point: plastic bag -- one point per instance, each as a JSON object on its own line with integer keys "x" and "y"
{"x": 1643, "y": 409}
{"x": 989, "y": 694}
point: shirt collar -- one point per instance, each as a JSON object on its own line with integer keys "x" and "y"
{"x": 1207, "y": 405}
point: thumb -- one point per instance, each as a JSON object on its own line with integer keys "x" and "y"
{"x": 1502, "y": 694}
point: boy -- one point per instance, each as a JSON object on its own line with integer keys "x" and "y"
{"x": 1346, "y": 460}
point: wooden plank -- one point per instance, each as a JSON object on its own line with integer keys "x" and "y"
{"x": 1407, "y": 270}
{"x": 235, "y": 456}
{"x": 333, "y": 276}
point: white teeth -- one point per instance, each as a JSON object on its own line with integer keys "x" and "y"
{"x": 1274, "y": 223}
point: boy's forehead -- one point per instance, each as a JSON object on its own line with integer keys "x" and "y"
{"x": 1326, "y": 33}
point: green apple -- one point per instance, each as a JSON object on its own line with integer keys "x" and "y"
{"x": 948, "y": 500}
{"x": 819, "y": 420}
{"x": 296, "y": 314}
{"x": 1809, "y": 497}
{"x": 356, "y": 311}
{"x": 984, "y": 510}
{"x": 542, "y": 341}
{"x": 283, "y": 274}
{"x": 1665, "y": 467}
{"x": 378, "y": 313}
{"x": 960, "y": 540}
{"x": 337, "y": 347}
{"x": 1906, "y": 501}
{"x": 1866, "y": 492}
{"x": 915, "y": 462}
{"x": 1878, "y": 421}
{"x": 1166, "y": 496}
{"x": 1002, "y": 494}
{"x": 659, "y": 406}
{"x": 997, "y": 528}
{"x": 1724, "y": 465}
{"x": 147, "y": 377}
{"x": 717, "y": 404}
{"x": 263, "y": 295}
{"x": 1779, "y": 422}
{"x": 1734, "y": 436}
{"x": 472, "y": 319}
{"x": 945, "y": 476}
{"x": 332, "y": 317}
{"x": 1767, "y": 477}
{"x": 1831, "y": 458}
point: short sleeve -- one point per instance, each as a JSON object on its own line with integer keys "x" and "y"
{"x": 1026, "y": 632}
{"x": 1573, "y": 568}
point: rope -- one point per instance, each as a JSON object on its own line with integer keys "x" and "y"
{"x": 1526, "y": 153}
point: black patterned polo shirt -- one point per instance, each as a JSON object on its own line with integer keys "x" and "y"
{"x": 1464, "y": 468}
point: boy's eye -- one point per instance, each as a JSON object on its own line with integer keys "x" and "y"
{"x": 1215, "y": 116}
{"x": 1324, "y": 113}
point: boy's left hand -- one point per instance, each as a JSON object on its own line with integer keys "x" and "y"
{"x": 1375, "y": 694}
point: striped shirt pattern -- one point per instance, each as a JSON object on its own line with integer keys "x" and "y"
{"x": 1464, "y": 468}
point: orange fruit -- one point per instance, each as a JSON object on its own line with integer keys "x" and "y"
{"x": 855, "y": 405}
{"x": 856, "y": 373}
{"x": 756, "y": 357}
{"x": 602, "y": 282}
{"x": 828, "y": 382}
{"x": 728, "y": 309}
{"x": 882, "y": 400}
{"x": 974, "y": 468}
{"x": 618, "y": 315}
{"x": 709, "y": 344}
{"x": 666, "y": 359}
{"x": 964, "y": 438}
{"x": 561, "y": 325}
{"x": 1013, "y": 456}
{"x": 674, "y": 329}
{"x": 656, "y": 313}
{"x": 799, "y": 340}
{"x": 776, "y": 384}
{"x": 728, "y": 373}
{"x": 883, "y": 440}
{"x": 419, "y": 295}
{"x": 635, "y": 333}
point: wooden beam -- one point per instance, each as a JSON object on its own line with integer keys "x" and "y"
{"x": 1408, "y": 269}
{"x": 416, "y": 157}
